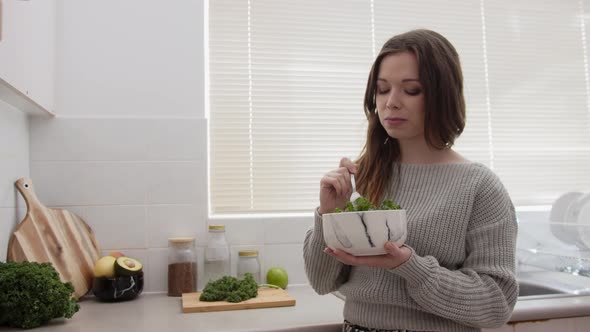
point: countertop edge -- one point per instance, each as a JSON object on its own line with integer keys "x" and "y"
{"x": 539, "y": 308}
{"x": 551, "y": 308}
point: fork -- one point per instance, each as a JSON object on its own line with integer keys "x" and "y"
{"x": 354, "y": 194}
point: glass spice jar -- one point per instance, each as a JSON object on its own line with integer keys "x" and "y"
{"x": 248, "y": 263}
{"x": 182, "y": 266}
{"x": 217, "y": 258}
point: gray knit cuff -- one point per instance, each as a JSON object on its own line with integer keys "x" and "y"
{"x": 416, "y": 270}
{"x": 317, "y": 237}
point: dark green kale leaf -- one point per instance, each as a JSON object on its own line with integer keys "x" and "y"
{"x": 364, "y": 204}
{"x": 389, "y": 205}
{"x": 31, "y": 294}
{"x": 230, "y": 289}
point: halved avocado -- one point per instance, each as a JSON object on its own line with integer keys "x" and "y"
{"x": 127, "y": 266}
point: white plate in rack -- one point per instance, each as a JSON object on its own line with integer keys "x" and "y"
{"x": 584, "y": 227}
{"x": 559, "y": 216}
{"x": 572, "y": 219}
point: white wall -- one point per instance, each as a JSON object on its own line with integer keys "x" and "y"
{"x": 130, "y": 58}
{"x": 128, "y": 149}
{"x": 14, "y": 164}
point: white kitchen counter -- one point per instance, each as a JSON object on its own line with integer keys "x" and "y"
{"x": 158, "y": 312}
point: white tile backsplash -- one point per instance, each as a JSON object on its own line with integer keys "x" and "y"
{"x": 8, "y": 223}
{"x": 108, "y": 139}
{"x": 166, "y": 221}
{"x": 136, "y": 182}
{"x": 287, "y": 256}
{"x": 157, "y": 278}
{"x": 171, "y": 139}
{"x": 14, "y": 126}
{"x": 286, "y": 230}
{"x": 69, "y": 183}
{"x": 176, "y": 183}
{"x": 122, "y": 226}
{"x": 8, "y": 192}
{"x": 11, "y": 171}
{"x": 14, "y": 152}
{"x": 243, "y": 231}
{"x": 14, "y": 164}
{"x": 87, "y": 140}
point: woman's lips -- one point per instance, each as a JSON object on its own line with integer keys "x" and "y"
{"x": 395, "y": 121}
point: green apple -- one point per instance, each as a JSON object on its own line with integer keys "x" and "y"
{"x": 277, "y": 276}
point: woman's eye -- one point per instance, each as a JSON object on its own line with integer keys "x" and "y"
{"x": 382, "y": 92}
{"x": 413, "y": 92}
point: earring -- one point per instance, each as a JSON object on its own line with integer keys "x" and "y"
{"x": 386, "y": 141}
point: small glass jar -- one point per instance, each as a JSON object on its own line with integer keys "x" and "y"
{"x": 217, "y": 261}
{"x": 248, "y": 263}
{"x": 182, "y": 266}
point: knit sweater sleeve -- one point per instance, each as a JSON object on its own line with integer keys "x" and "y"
{"x": 483, "y": 291}
{"x": 325, "y": 273}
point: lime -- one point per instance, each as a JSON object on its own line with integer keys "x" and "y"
{"x": 277, "y": 276}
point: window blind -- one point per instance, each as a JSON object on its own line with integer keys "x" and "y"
{"x": 287, "y": 81}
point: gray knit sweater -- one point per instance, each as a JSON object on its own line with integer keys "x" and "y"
{"x": 461, "y": 274}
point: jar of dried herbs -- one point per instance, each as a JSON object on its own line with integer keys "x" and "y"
{"x": 182, "y": 266}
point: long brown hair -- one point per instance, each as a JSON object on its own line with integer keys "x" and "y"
{"x": 442, "y": 82}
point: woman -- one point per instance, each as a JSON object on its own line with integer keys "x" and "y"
{"x": 456, "y": 270}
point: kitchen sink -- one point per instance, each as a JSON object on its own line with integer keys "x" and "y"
{"x": 551, "y": 284}
{"x": 527, "y": 288}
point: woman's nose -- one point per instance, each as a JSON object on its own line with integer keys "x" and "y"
{"x": 393, "y": 100}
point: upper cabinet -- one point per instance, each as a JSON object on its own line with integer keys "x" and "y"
{"x": 27, "y": 54}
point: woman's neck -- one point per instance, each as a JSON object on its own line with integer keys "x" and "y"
{"x": 418, "y": 152}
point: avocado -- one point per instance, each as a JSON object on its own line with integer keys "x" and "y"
{"x": 127, "y": 266}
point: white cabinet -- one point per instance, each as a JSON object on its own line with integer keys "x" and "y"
{"x": 40, "y": 52}
{"x": 12, "y": 42}
{"x": 27, "y": 50}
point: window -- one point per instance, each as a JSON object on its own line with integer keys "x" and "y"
{"x": 287, "y": 81}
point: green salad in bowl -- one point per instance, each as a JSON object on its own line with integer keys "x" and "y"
{"x": 364, "y": 204}
{"x": 362, "y": 229}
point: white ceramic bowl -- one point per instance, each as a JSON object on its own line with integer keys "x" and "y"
{"x": 364, "y": 233}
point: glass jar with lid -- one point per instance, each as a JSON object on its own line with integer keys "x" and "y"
{"x": 182, "y": 266}
{"x": 217, "y": 262}
{"x": 248, "y": 263}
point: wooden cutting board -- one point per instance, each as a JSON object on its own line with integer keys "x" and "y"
{"x": 57, "y": 236}
{"x": 267, "y": 298}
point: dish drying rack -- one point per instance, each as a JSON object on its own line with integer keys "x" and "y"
{"x": 553, "y": 246}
